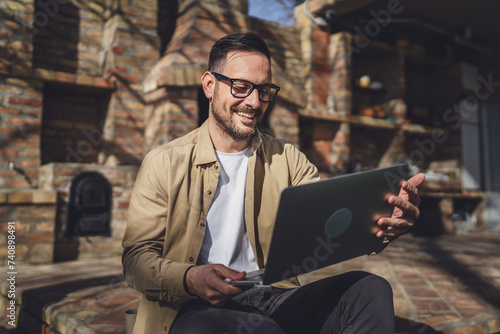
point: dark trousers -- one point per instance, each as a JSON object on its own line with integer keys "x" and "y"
{"x": 354, "y": 302}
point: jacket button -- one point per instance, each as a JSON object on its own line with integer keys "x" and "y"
{"x": 209, "y": 192}
{"x": 165, "y": 328}
{"x": 202, "y": 224}
{"x": 216, "y": 166}
{"x": 191, "y": 259}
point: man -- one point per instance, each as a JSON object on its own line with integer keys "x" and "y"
{"x": 203, "y": 208}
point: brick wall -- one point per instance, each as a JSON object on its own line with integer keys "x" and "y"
{"x": 71, "y": 91}
{"x": 283, "y": 123}
{"x": 86, "y": 44}
{"x": 172, "y": 113}
{"x": 340, "y": 87}
{"x": 173, "y": 85}
{"x": 95, "y": 85}
{"x": 72, "y": 123}
{"x": 67, "y": 36}
{"x": 40, "y": 215}
{"x": 130, "y": 49}
{"x": 20, "y": 126}
{"x": 316, "y": 62}
{"x": 56, "y": 177}
{"x": 33, "y": 213}
{"x": 327, "y": 144}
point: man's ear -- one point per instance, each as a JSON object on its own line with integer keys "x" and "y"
{"x": 208, "y": 84}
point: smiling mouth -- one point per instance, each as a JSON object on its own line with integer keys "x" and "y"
{"x": 246, "y": 114}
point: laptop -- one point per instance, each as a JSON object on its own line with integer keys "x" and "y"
{"x": 327, "y": 222}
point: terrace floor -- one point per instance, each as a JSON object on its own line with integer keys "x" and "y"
{"x": 448, "y": 284}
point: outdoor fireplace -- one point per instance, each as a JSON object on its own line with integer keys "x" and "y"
{"x": 89, "y": 206}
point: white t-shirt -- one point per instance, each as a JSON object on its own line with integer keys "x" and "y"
{"x": 226, "y": 239}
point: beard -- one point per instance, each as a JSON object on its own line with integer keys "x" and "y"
{"x": 228, "y": 125}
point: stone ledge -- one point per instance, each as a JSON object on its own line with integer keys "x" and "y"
{"x": 57, "y": 176}
{"x": 50, "y": 75}
{"x": 84, "y": 296}
{"x": 28, "y": 196}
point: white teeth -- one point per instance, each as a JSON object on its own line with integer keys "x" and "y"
{"x": 244, "y": 114}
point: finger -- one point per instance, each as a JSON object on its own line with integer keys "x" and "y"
{"x": 219, "y": 291}
{"x": 216, "y": 298}
{"x": 411, "y": 192}
{"x": 393, "y": 233}
{"x": 394, "y": 223}
{"x": 222, "y": 286}
{"x": 393, "y": 227}
{"x": 409, "y": 209}
{"x": 229, "y": 273}
{"x": 414, "y": 182}
{"x": 417, "y": 179}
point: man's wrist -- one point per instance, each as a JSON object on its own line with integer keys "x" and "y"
{"x": 186, "y": 287}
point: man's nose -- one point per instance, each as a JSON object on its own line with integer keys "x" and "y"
{"x": 253, "y": 100}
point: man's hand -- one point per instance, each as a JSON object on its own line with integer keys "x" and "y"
{"x": 405, "y": 209}
{"x": 207, "y": 282}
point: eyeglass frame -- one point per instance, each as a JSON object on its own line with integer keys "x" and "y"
{"x": 222, "y": 77}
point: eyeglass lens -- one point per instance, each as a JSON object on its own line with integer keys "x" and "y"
{"x": 242, "y": 89}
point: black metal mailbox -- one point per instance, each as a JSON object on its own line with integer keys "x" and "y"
{"x": 89, "y": 207}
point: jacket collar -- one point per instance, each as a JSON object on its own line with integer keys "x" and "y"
{"x": 205, "y": 151}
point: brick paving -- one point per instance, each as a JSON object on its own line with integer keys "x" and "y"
{"x": 448, "y": 284}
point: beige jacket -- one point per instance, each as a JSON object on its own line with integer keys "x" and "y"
{"x": 168, "y": 209}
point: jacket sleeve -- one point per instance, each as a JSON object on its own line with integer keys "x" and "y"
{"x": 302, "y": 171}
{"x": 144, "y": 267}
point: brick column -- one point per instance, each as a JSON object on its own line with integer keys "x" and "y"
{"x": 327, "y": 145}
{"x": 340, "y": 93}
{"x": 284, "y": 123}
{"x": 20, "y": 127}
{"x": 327, "y": 71}
{"x": 315, "y": 43}
{"x": 172, "y": 112}
{"x": 20, "y": 99}
{"x": 16, "y": 35}
{"x": 131, "y": 48}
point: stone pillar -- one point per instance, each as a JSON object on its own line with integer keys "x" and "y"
{"x": 316, "y": 63}
{"x": 20, "y": 99}
{"x": 16, "y": 37}
{"x": 284, "y": 123}
{"x": 130, "y": 49}
{"x": 172, "y": 112}
{"x": 340, "y": 93}
{"x": 20, "y": 128}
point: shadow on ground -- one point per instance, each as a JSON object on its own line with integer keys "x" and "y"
{"x": 407, "y": 326}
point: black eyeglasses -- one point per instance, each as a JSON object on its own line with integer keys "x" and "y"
{"x": 242, "y": 88}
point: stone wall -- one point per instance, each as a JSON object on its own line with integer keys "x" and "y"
{"x": 20, "y": 128}
{"x": 57, "y": 177}
{"x": 70, "y": 92}
{"x": 40, "y": 215}
{"x": 72, "y": 123}
{"x": 33, "y": 213}
{"x": 79, "y": 46}
{"x": 131, "y": 47}
{"x": 95, "y": 85}
{"x": 175, "y": 102}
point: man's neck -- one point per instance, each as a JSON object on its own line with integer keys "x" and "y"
{"x": 225, "y": 143}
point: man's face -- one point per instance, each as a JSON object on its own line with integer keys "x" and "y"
{"x": 238, "y": 117}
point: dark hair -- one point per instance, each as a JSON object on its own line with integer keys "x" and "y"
{"x": 236, "y": 42}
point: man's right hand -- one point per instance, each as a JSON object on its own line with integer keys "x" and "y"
{"x": 207, "y": 282}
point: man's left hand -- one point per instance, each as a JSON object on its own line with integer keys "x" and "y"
{"x": 405, "y": 209}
